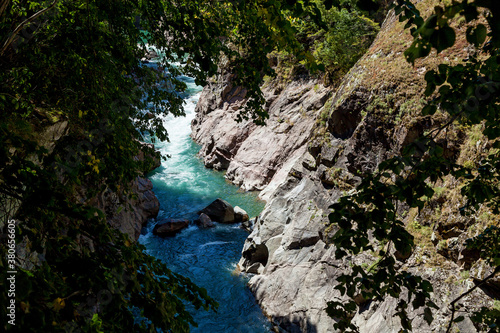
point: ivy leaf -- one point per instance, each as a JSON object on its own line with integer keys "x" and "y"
{"x": 429, "y": 109}
{"x": 418, "y": 49}
{"x": 428, "y": 316}
{"x": 443, "y": 38}
{"x": 477, "y": 35}
{"x": 470, "y": 13}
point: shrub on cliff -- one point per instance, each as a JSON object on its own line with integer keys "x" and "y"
{"x": 470, "y": 93}
{"x": 348, "y": 35}
{"x": 337, "y": 42}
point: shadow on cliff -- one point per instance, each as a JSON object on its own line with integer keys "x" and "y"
{"x": 294, "y": 325}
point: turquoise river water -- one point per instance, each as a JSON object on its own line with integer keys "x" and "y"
{"x": 207, "y": 256}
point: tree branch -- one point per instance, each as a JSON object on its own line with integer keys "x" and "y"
{"x": 9, "y": 41}
{"x": 10, "y": 193}
{"x": 452, "y": 304}
{"x": 3, "y": 6}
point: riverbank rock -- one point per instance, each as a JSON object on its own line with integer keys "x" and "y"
{"x": 149, "y": 56}
{"x": 248, "y": 225}
{"x": 240, "y": 215}
{"x": 204, "y": 221}
{"x": 150, "y": 157}
{"x": 219, "y": 211}
{"x": 371, "y": 116}
{"x": 253, "y": 154}
{"x": 170, "y": 227}
{"x": 129, "y": 214}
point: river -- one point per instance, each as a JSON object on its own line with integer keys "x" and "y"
{"x": 207, "y": 256}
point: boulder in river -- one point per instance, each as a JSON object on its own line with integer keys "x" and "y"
{"x": 219, "y": 211}
{"x": 240, "y": 215}
{"x": 204, "y": 221}
{"x": 170, "y": 227}
{"x": 249, "y": 224}
{"x": 150, "y": 55}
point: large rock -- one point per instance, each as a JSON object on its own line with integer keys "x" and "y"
{"x": 129, "y": 213}
{"x": 149, "y": 157}
{"x": 215, "y": 126}
{"x": 49, "y": 132}
{"x": 219, "y": 211}
{"x": 370, "y": 118}
{"x": 170, "y": 227}
{"x": 204, "y": 221}
{"x": 240, "y": 215}
{"x": 248, "y": 225}
{"x": 149, "y": 56}
{"x": 297, "y": 271}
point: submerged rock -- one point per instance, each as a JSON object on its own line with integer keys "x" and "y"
{"x": 204, "y": 221}
{"x": 219, "y": 211}
{"x": 170, "y": 227}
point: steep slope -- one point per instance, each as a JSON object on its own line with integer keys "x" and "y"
{"x": 252, "y": 155}
{"x": 371, "y": 116}
{"x": 127, "y": 213}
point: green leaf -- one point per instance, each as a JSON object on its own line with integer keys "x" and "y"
{"x": 330, "y": 3}
{"x": 477, "y": 35}
{"x": 443, "y": 38}
{"x": 428, "y": 317}
{"x": 418, "y": 49}
{"x": 429, "y": 109}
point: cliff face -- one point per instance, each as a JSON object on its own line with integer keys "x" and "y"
{"x": 127, "y": 213}
{"x": 253, "y": 155}
{"x": 315, "y": 149}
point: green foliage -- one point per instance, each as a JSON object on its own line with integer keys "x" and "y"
{"x": 257, "y": 29}
{"x": 342, "y": 41}
{"x": 79, "y": 62}
{"x": 488, "y": 243}
{"x": 348, "y": 36}
{"x": 469, "y": 93}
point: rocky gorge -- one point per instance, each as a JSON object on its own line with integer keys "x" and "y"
{"x": 318, "y": 143}
{"x": 127, "y": 212}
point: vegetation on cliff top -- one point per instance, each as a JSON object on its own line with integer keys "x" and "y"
{"x": 469, "y": 93}
{"x": 336, "y": 42}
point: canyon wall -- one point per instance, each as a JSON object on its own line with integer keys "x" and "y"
{"x": 254, "y": 154}
{"x": 317, "y": 145}
{"x": 125, "y": 212}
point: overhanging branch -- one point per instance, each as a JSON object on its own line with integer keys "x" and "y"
{"x": 452, "y": 304}
{"x": 3, "y": 6}
{"x": 9, "y": 41}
